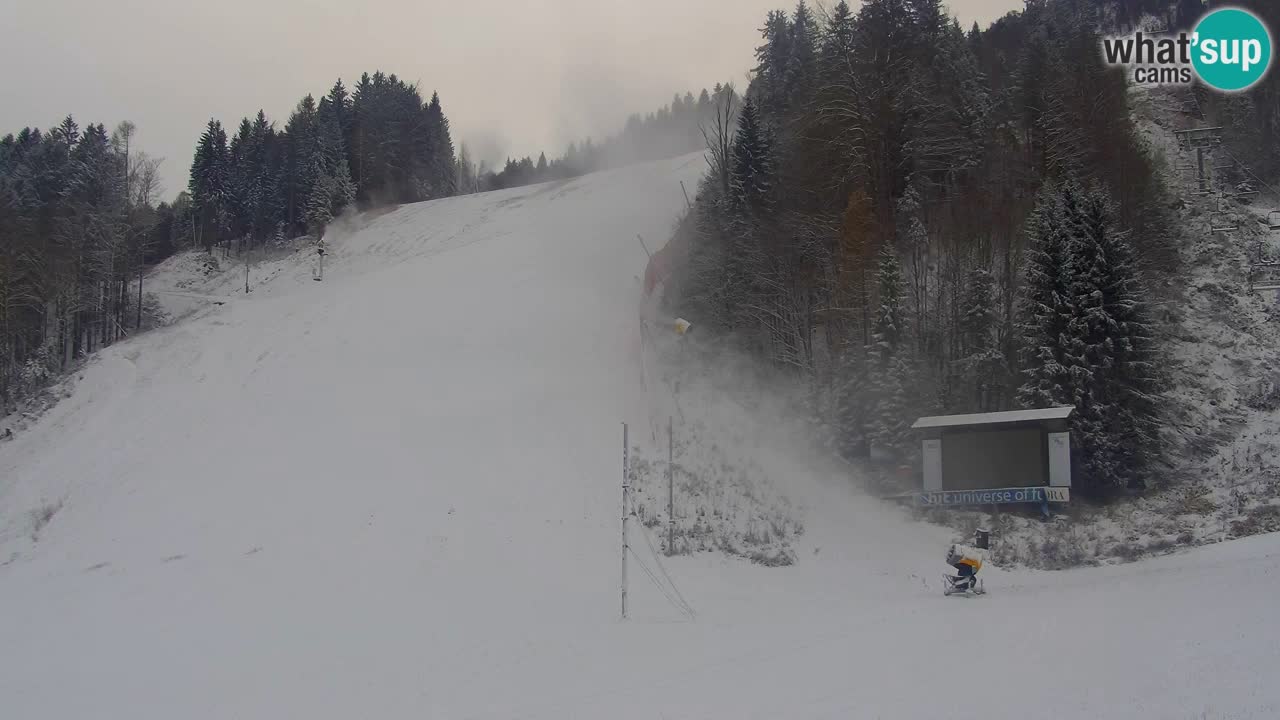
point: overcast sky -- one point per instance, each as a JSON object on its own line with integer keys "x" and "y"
{"x": 514, "y": 77}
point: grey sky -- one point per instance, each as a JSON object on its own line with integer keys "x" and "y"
{"x": 514, "y": 77}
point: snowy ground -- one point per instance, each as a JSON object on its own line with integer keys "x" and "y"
{"x": 395, "y": 493}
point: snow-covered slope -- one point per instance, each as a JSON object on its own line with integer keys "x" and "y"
{"x": 395, "y": 493}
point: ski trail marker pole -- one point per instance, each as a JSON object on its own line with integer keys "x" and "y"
{"x": 626, "y": 496}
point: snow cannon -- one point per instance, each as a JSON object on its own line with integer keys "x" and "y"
{"x": 965, "y": 555}
{"x": 967, "y": 561}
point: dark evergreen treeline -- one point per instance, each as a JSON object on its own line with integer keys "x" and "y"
{"x": 78, "y": 221}
{"x": 79, "y": 217}
{"x": 925, "y": 220}
{"x": 672, "y": 130}
{"x": 377, "y": 144}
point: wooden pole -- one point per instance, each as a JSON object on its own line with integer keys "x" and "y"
{"x": 139, "y": 294}
{"x": 1204, "y": 179}
{"x": 626, "y": 498}
{"x": 671, "y": 487}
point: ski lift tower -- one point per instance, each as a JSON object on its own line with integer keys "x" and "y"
{"x": 1200, "y": 139}
{"x": 1264, "y": 268}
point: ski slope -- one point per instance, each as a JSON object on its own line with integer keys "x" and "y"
{"x": 395, "y": 493}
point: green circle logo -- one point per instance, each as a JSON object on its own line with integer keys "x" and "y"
{"x": 1232, "y": 49}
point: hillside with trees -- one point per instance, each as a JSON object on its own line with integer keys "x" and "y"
{"x": 378, "y": 144}
{"x": 919, "y": 219}
{"x": 79, "y": 220}
{"x": 672, "y": 130}
{"x": 81, "y": 217}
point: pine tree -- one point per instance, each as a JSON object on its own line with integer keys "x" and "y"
{"x": 802, "y": 61}
{"x": 363, "y": 120}
{"x": 774, "y": 58}
{"x": 752, "y": 164}
{"x": 244, "y": 189}
{"x": 300, "y": 167}
{"x": 982, "y": 367}
{"x": 209, "y": 170}
{"x": 319, "y": 201}
{"x": 913, "y": 241}
{"x": 1087, "y": 338}
{"x": 442, "y": 162}
{"x": 889, "y": 372}
{"x": 1115, "y": 423}
{"x": 332, "y": 190}
{"x": 270, "y": 167}
{"x": 837, "y": 41}
{"x": 68, "y": 132}
{"x": 930, "y": 20}
{"x": 342, "y": 104}
{"x": 1048, "y": 305}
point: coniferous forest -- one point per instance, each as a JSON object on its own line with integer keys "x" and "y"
{"x": 916, "y": 217}
{"x": 81, "y": 215}
{"x": 920, "y": 219}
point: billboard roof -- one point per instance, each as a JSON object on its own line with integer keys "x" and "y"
{"x": 996, "y": 418}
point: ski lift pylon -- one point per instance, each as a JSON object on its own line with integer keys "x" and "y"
{"x": 1199, "y": 137}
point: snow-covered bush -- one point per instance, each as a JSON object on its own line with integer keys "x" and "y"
{"x": 1261, "y": 519}
{"x": 37, "y": 372}
{"x": 722, "y": 504}
{"x": 153, "y": 313}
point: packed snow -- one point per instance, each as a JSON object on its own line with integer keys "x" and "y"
{"x": 396, "y": 493}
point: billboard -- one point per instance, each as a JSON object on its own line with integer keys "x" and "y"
{"x": 988, "y": 459}
{"x": 999, "y": 496}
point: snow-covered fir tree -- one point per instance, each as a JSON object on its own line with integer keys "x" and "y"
{"x": 774, "y": 58}
{"x": 982, "y": 368}
{"x": 889, "y": 371}
{"x": 1086, "y": 334}
{"x": 838, "y": 38}
{"x": 752, "y": 165}
{"x": 301, "y": 166}
{"x": 802, "y": 63}
{"x": 913, "y": 241}
{"x": 1047, "y": 306}
{"x": 443, "y": 179}
{"x": 208, "y": 186}
{"x": 1116, "y": 412}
